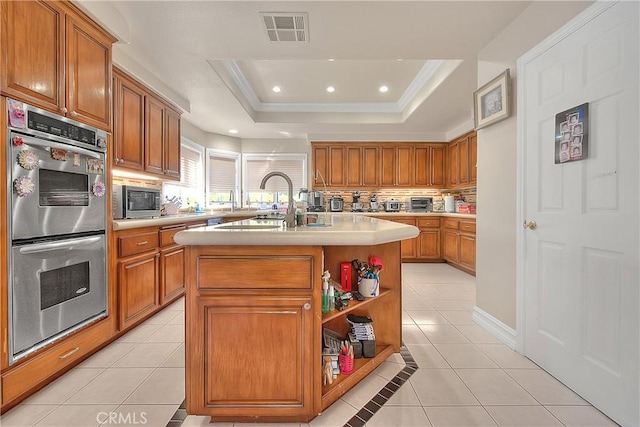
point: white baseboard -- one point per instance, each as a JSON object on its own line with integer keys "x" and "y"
{"x": 495, "y": 327}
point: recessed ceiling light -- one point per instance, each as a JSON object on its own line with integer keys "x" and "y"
{"x": 284, "y": 133}
{"x": 276, "y": 89}
{"x": 383, "y": 89}
{"x": 331, "y": 89}
{"x": 233, "y": 130}
{"x": 331, "y": 59}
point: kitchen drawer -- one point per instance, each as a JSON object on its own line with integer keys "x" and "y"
{"x": 137, "y": 243}
{"x": 451, "y": 223}
{"x": 167, "y": 233}
{"x": 53, "y": 359}
{"x": 196, "y": 225}
{"x": 250, "y": 272}
{"x": 467, "y": 226}
{"x": 428, "y": 222}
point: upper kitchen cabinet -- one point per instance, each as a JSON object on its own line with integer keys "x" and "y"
{"x": 462, "y": 159}
{"x": 362, "y": 166}
{"x": 146, "y": 129}
{"x": 330, "y": 164}
{"x": 430, "y": 165}
{"x": 397, "y": 165}
{"x": 56, "y": 58}
{"x": 129, "y": 99}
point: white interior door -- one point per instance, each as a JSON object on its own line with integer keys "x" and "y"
{"x": 580, "y": 265}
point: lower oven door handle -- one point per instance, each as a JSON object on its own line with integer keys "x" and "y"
{"x": 70, "y": 244}
{"x": 51, "y": 144}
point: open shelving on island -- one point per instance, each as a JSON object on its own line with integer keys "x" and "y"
{"x": 353, "y": 305}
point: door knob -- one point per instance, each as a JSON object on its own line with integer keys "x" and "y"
{"x": 531, "y": 225}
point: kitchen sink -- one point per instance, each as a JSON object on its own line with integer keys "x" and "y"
{"x": 248, "y": 227}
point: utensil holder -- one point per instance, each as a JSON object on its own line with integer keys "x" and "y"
{"x": 345, "y": 363}
{"x": 369, "y": 288}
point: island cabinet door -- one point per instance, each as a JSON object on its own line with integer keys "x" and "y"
{"x": 251, "y": 356}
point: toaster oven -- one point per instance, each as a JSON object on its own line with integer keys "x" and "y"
{"x": 421, "y": 204}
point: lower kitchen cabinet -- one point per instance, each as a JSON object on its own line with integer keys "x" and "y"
{"x": 139, "y": 281}
{"x": 429, "y": 238}
{"x": 459, "y": 243}
{"x": 468, "y": 251}
{"x": 272, "y": 360}
{"x": 172, "y": 273}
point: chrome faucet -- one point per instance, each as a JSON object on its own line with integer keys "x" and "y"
{"x": 290, "y": 217}
{"x": 233, "y": 201}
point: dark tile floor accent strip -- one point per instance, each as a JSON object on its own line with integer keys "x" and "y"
{"x": 365, "y": 414}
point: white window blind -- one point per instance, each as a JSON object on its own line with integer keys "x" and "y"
{"x": 256, "y": 168}
{"x": 190, "y": 167}
{"x": 222, "y": 174}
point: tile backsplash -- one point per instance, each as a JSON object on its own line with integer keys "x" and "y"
{"x": 467, "y": 195}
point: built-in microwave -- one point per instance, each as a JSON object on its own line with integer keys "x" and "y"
{"x": 135, "y": 202}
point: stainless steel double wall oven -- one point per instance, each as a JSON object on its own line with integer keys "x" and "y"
{"x": 57, "y": 256}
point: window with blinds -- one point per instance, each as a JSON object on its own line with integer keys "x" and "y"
{"x": 222, "y": 177}
{"x": 256, "y": 166}
{"x": 190, "y": 189}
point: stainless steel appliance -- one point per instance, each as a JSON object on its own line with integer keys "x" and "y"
{"x": 315, "y": 202}
{"x": 57, "y": 287}
{"x": 373, "y": 203}
{"x": 356, "y": 205}
{"x": 336, "y": 204}
{"x": 135, "y": 202}
{"x": 421, "y": 204}
{"x": 392, "y": 205}
{"x": 57, "y": 276}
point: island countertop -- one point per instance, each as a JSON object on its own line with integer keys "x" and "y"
{"x": 338, "y": 230}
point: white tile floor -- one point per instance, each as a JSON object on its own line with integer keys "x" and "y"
{"x": 466, "y": 377}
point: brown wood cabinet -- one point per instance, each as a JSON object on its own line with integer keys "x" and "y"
{"x": 429, "y": 238}
{"x": 430, "y": 165}
{"x": 397, "y": 165}
{"x": 146, "y": 129}
{"x": 374, "y": 164}
{"x": 459, "y": 243}
{"x": 362, "y": 165}
{"x": 172, "y": 263}
{"x": 151, "y": 270}
{"x": 272, "y": 323}
{"x": 139, "y": 283}
{"x": 462, "y": 159}
{"x": 268, "y": 320}
{"x": 129, "y": 99}
{"x": 56, "y": 58}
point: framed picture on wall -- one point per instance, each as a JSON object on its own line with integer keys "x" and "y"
{"x": 492, "y": 102}
{"x": 572, "y": 134}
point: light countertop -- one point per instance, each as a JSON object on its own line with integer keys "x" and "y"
{"x": 341, "y": 230}
{"x": 125, "y": 224}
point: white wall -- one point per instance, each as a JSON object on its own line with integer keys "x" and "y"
{"x": 209, "y": 140}
{"x": 496, "y": 218}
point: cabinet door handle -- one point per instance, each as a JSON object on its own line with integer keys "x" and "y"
{"x": 63, "y": 110}
{"x": 142, "y": 243}
{"x": 73, "y": 114}
{"x": 69, "y": 353}
{"x": 307, "y": 306}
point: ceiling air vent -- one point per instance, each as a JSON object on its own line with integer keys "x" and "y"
{"x": 286, "y": 27}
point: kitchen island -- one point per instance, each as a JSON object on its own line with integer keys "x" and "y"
{"x": 253, "y": 313}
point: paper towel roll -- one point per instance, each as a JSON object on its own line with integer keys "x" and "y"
{"x": 449, "y": 206}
